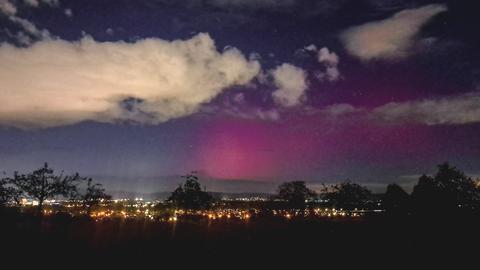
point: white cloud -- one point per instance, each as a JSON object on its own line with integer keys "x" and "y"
{"x": 30, "y": 31}
{"x": 291, "y": 82}
{"x": 110, "y": 31}
{"x": 340, "y": 109}
{"x": 332, "y": 74}
{"x": 7, "y": 8}
{"x": 30, "y": 28}
{"x": 267, "y": 115}
{"x": 238, "y": 107}
{"x": 23, "y": 38}
{"x": 335, "y": 111}
{"x": 53, "y": 3}
{"x": 390, "y": 38}
{"x": 56, "y": 82}
{"x": 68, "y": 12}
{"x": 36, "y": 3}
{"x": 253, "y": 113}
{"x": 32, "y": 3}
{"x": 311, "y": 48}
{"x": 327, "y": 57}
{"x": 330, "y": 60}
{"x": 462, "y": 109}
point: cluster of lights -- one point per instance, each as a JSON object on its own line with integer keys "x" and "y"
{"x": 102, "y": 214}
{"x": 122, "y": 214}
{"x": 48, "y": 212}
{"x": 224, "y": 213}
{"x": 245, "y": 199}
{"x": 230, "y": 213}
{"x": 317, "y": 212}
{"x": 140, "y": 209}
{"x": 241, "y": 214}
{"x": 218, "y": 214}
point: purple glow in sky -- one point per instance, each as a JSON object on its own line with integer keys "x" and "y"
{"x": 136, "y": 95}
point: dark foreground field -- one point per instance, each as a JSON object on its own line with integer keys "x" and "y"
{"x": 363, "y": 241}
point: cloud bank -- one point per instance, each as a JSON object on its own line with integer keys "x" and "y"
{"x": 462, "y": 109}
{"x": 56, "y": 82}
{"x": 390, "y": 38}
{"x": 453, "y": 110}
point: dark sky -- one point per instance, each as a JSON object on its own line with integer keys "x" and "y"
{"x": 246, "y": 92}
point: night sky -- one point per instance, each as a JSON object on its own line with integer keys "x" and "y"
{"x": 249, "y": 93}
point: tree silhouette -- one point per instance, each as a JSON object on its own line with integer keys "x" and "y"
{"x": 9, "y": 192}
{"x": 5, "y": 195}
{"x": 190, "y": 195}
{"x": 449, "y": 190}
{"x": 94, "y": 194}
{"x": 396, "y": 200}
{"x": 43, "y": 184}
{"x": 424, "y": 193}
{"x": 296, "y": 194}
{"x": 346, "y": 195}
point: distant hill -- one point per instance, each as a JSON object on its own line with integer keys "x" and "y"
{"x": 161, "y": 187}
{"x": 165, "y": 195}
{"x": 146, "y": 186}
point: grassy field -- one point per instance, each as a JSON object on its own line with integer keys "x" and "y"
{"x": 365, "y": 240}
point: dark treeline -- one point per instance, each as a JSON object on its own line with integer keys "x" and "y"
{"x": 43, "y": 184}
{"x": 448, "y": 191}
{"x": 439, "y": 219}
